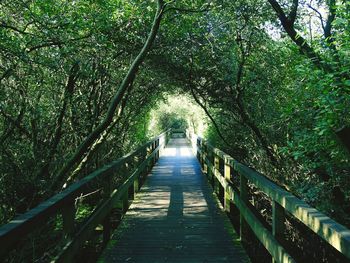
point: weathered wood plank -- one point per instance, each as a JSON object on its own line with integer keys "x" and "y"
{"x": 175, "y": 217}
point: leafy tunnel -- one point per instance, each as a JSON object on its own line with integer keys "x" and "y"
{"x": 85, "y": 82}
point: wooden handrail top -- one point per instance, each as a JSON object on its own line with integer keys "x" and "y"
{"x": 27, "y": 221}
{"x": 66, "y": 255}
{"x": 332, "y": 232}
{"x": 178, "y": 131}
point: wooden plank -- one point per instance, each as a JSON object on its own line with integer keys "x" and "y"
{"x": 175, "y": 217}
{"x": 278, "y": 222}
{"x": 243, "y": 194}
{"x": 227, "y": 197}
{"x": 107, "y": 188}
{"x": 68, "y": 216}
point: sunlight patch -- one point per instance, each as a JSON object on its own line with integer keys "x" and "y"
{"x": 169, "y": 152}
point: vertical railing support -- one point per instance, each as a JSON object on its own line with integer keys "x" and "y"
{"x": 278, "y": 222}
{"x": 146, "y": 169}
{"x": 167, "y": 137}
{"x": 106, "y": 229}
{"x": 136, "y": 183}
{"x": 68, "y": 216}
{"x": 154, "y": 156}
{"x": 157, "y": 154}
{"x": 107, "y": 220}
{"x": 243, "y": 192}
{"x": 125, "y": 202}
{"x": 204, "y": 156}
{"x": 227, "y": 197}
{"x": 211, "y": 177}
{"x": 216, "y": 184}
{"x": 125, "y": 198}
{"x": 131, "y": 191}
{"x": 199, "y": 148}
{"x": 149, "y": 162}
{"x": 210, "y": 166}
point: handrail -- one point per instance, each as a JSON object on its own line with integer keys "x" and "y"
{"x": 335, "y": 234}
{"x": 64, "y": 202}
{"x": 178, "y": 131}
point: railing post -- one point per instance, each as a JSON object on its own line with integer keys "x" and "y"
{"x": 154, "y": 156}
{"x": 146, "y": 155}
{"x": 68, "y": 216}
{"x": 136, "y": 183}
{"x": 210, "y": 166}
{"x": 199, "y": 148}
{"x": 167, "y": 137}
{"x": 125, "y": 200}
{"x": 243, "y": 193}
{"x": 107, "y": 220}
{"x": 278, "y": 225}
{"x": 157, "y": 154}
{"x": 146, "y": 170}
{"x": 216, "y": 185}
{"x": 227, "y": 197}
{"x": 203, "y": 156}
{"x": 212, "y": 170}
{"x": 131, "y": 192}
{"x": 155, "y": 149}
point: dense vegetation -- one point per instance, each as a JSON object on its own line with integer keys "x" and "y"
{"x": 80, "y": 82}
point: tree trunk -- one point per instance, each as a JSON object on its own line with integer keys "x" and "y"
{"x": 83, "y": 148}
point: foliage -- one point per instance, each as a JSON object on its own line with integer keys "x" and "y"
{"x": 178, "y": 112}
{"x": 270, "y": 79}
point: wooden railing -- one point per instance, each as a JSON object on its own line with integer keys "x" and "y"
{"x": 211, "y": 159}
{"x": 64, "y": 202}
{"x": 178, "y": 133}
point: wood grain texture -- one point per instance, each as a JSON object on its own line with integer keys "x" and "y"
{"x": 175, "y": 217}
{"x": 332, "y": 232}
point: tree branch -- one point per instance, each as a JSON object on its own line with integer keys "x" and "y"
{"x": 330, "y": 19}
{"x": 216, "y": 126}
{"x": 288, "y": 26}
{"x": 319, "y": 15}
{"x": 72, "y": 78}
{"x": 293, "y": 12}
{"x": 4, "y": 25}
{"x": 56, "y": 43}
{"x": 125, "y": 84}
{"x": 16, "y": 122}
{"x": 185, "y": 10}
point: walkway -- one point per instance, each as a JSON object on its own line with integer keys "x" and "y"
{"x": 175, "y": 217}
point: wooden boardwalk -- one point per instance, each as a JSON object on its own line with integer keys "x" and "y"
{"x": 175, "y": 217}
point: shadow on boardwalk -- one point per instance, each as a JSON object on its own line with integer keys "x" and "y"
{"x": 175, "y": 217}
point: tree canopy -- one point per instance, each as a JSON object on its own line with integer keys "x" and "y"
{"x": 82, "y": 83}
